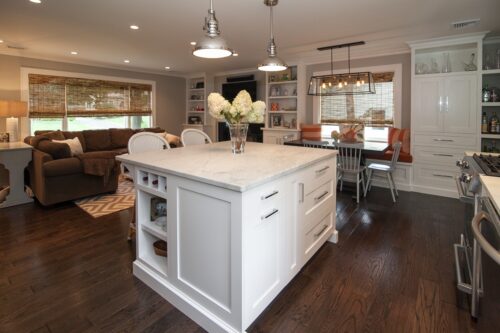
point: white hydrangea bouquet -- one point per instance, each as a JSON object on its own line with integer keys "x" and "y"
{"x": 242, "y": 110}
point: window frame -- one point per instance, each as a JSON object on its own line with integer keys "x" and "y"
{"x": 25, "y": 71}
{"x": 397, "y": 92}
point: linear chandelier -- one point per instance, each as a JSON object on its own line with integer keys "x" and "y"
{"x": 272, "y": 63}
{"x": 212, "y": 45}
{"x": 341, "y": 84}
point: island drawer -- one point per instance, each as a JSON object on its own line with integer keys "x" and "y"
{"x": 266, "y": 198}
{"x": 317, "y": 204}
{"x": 318, "y": 174}
{"x": 313, "y": 236}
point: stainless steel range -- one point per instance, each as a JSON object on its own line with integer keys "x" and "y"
{"x": 476, "y": 256}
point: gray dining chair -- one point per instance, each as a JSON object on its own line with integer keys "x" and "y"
{"x": 350, "y": 163}
{"x": 315, "y": 144}
{"x": 386, "y": 169}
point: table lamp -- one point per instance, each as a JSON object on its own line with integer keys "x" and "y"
{"x": 12, "y": 110}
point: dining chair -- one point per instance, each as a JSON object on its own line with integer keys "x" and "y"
{"x": 386, "y": 169}
{"x": 193, "y": 136}
{"x": 315, "y": 144}
{"x": 350, "y": 163}
{"x": 142, "y": 143}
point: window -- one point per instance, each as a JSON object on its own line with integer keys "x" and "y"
{"x": 69, "y": 103}
{"x": 376, "y": 111}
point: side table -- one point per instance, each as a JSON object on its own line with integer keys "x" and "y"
{"x": 15, "y": 156}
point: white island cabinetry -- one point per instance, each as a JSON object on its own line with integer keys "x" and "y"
{"x": 239, "y": 228}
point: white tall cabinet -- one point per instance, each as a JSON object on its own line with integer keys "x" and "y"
{"x": 445, "y": 117}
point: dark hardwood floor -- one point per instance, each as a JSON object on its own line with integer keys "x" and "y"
{"x": 392, "y": 271}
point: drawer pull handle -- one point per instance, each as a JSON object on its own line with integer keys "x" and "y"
{"x": 264, "y": 197}
{"x": 442, "y": 176}
{"x": 445, "y": 155}
{"x": 264, "y": 217}
{"x": 321, "y": 231}
{"x": 323, "y": 169}
{"x": 319, "y": 197}
{"x": 443, "y": 140}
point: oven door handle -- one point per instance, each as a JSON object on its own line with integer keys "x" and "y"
{"x": 483, "y": 242}
{"x": 461, "y": 193}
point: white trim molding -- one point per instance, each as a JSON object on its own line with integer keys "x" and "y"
{"x": 397, "y": 93}
{"x": 25, "y": 71}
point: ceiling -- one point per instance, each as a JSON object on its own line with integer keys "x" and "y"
{"x": 99, "y": 29}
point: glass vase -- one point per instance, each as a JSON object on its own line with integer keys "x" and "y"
{"x": 238, "y": 134}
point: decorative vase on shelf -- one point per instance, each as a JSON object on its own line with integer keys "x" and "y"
{"x": 238, "y": 134}
{"x": 446, "y": 63}
{"x": 237, "y": 116}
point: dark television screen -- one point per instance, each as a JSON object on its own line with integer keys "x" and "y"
{"x": 230, "y": 90}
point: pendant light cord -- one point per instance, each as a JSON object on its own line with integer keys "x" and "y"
{"x": 349, "y": 58}
{"x": 331, "y": 61}
{"x": 272, "y": 23}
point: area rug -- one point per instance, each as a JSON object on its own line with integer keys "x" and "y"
{"x": 105, "y": 204}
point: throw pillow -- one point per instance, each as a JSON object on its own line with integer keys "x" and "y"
{"x": 74, "y": 145}
{"x": 173, "y": 140}
{"x": 400, "y": 134}
{"x": 352, "y": 132}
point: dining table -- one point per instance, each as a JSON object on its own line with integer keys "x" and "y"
{"x": 368, "y": 147}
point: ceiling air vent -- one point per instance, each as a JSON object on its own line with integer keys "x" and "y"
{"x": 465, "y": 24}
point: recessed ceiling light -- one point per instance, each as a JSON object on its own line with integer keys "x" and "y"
{"x": 36, "y": 1}
{"x": 167, "y": 67}
{"x": 74, "y": 52}
{"x": 134, "y": 27}
{"x": 193, "y": 43}
{"x": 235, "y": 54}
{"x": 126, "y": 61}
{"x": 1, "y": 41}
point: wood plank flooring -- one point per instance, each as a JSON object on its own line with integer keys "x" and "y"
{"x": 392, "y": 271}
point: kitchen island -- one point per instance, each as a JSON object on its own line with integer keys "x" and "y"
{"x": 239, "y": 227}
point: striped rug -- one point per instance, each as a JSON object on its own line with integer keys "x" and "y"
{"x": 105, "y": 204}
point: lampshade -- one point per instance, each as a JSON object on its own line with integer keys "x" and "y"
{"x": 273, "y": 64}
{"x": 212, "y": 47}
{"x": 13, "y": 109}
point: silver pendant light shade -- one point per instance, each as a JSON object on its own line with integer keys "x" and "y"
{"x": 272, "y": 63}
{"x": 212, "y": 45}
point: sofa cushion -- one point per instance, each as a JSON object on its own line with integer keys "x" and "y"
{"x": 76, "y": 134}
{"x": 152, "y": 129}
{"x": 402, "y": 135}
{"x": 120, "y": 137}
{"x": 96, "y": 140}
{"x": 67, "y": 166}
{"x": 51, "y": 135}
{"x": 54, "y": 149}
{"x": 120, "y": 151}
{"x": 74, "y": 145}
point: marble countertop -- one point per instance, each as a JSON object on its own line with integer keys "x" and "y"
{"x": 216, "y": 165}
{"x": 18, "y": 145}
{"x": 491, "y": 187}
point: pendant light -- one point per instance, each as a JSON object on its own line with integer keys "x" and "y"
{"x": 272, "y": 63}
{"x": 212, "y": 45}
{"x": 341, "y": 84}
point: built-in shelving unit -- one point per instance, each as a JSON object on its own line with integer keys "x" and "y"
{"x": 490, "y": 78}
{"x": 151, "y": 223}
{"x": 196, "y": 104}
{"x": 284, "y": 105}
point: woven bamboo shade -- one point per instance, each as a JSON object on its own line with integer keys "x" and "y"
{"x": 87, "y": 97}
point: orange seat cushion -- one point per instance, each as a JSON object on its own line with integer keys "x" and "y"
{"x": 311, "y": 132}
{"x": 387, "y": 156}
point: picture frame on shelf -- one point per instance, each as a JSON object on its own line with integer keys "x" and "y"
{"x": 158, "y": 208}
{"x": 4, "y": 137}
{"x": 277, "y": 120}
{"x": 286, "y": 75}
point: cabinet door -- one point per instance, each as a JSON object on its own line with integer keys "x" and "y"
{"x": 428, "y": 102}
{"x": 460, "y": 109}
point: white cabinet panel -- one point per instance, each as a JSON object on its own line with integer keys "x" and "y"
{"x": 428, "y": 103}
{"x": 460, "y": 114}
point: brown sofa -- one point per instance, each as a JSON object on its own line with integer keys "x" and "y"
{"x": 56, "y": 176}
